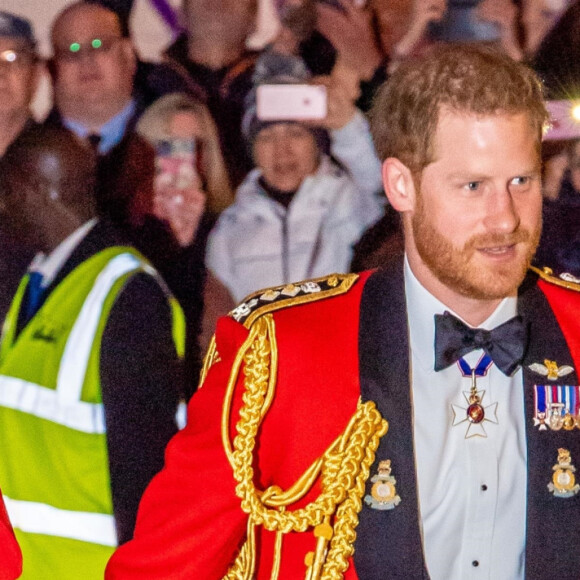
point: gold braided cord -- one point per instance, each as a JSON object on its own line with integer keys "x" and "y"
{"x": 210, "y": 358}
{"x": 244, "y": 566}
{"x": 225, "y": 427}
{"x": 343, "y": 468}
{"x": 346, "y": 520}
{"x": 277, "y": 556}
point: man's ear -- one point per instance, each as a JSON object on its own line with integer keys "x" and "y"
{"x": 399, "y": 185}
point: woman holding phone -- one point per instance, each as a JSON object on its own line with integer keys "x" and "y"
{"x": 191, "y": 189}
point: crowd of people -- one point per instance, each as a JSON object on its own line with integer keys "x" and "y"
{"x": 155, "y": 198}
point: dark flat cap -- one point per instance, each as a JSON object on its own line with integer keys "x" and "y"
{"x": 16, "y": 27}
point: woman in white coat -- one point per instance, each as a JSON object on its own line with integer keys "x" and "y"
{"x": 298, "y": 214}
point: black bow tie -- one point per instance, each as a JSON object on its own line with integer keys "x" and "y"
{"x": 505, "y": 344}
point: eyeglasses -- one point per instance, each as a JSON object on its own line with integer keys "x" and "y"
{"x": 15, "y": 59}
{"x": 75, "y": 50}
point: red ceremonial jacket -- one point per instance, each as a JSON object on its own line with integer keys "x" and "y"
{"x": 190, "y": 522}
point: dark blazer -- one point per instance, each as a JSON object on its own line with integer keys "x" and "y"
{"x": 141, "y": 378}
{"x": 390, "y": 540}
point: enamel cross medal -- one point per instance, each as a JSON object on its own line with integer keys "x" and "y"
{"x": 475, "y": 414}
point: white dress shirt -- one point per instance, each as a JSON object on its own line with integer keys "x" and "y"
{"x": 472, "y": 491}
{"x": 49, "y": 265}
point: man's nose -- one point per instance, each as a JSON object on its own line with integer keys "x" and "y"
{"x": 502, "y": 214}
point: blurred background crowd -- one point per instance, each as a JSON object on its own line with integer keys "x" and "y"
{"x": 223, "y": 202}
{"x": 222, "y": 191}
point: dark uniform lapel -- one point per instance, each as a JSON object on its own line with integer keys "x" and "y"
{"x": 553, "y": 523}
{"x": 388, "y": 543}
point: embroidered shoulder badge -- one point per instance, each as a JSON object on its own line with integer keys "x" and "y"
{"x": 563, "y": 482}
{"x": 278, "y": 297}
{"x": 565, "y": 280}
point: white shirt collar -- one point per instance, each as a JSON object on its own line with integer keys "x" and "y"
{"x": 421, "y": 309}
{"x": 49, "y": 265}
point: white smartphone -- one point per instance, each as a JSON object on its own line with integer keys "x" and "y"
{"x": 291, "y": 102}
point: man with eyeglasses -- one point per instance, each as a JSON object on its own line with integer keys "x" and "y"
{"x": 93, "y": 68}
{"x": 19, "y": 75}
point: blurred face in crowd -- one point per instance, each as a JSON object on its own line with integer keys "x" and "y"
{"x": 473, "y": 222}
{"x": 185, "y": 125}
{"x": 286, "y": 153}
{"x": 234, "y": 19}
{"x": 19, "y": 74}
{"x": 94, "y": 64}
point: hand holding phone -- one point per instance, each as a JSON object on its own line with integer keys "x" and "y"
{"x": 181, "y": 208}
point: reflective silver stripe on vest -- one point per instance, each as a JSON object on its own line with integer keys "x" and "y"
{"x": 44, "y": 403}
{"x": 41, "y": 518}
{"x": 75, "y": 359}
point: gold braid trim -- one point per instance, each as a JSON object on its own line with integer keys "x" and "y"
{"x": 343, "y": 468}
{"x": 212, "y": 356}
{"x": 548, "y": 275}
{"x": 346, "y": 520}
{"x": 244, "y": 566}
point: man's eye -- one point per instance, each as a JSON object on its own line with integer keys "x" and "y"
{"x": 520, "y": 181}
{"x": 473, "y": 185}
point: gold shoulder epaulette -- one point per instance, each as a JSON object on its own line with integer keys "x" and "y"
{"x": 278, "y": 297}
{"x": 565, "y": 280}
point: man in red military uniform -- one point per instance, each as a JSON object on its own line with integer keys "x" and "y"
{"x": 417, "y": 422}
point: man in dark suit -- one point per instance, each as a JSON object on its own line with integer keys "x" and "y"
{"x": 416, "y": 422}
{"x": 93, "y": 69}
{"x": 90, "y": 370}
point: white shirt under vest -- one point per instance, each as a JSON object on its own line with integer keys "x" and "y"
{"x": 472, "y": 491}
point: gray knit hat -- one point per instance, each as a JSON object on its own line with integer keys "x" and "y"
{"x": 276, "y": 68}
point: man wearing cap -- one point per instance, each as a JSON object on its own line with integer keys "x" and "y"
{"x": 418, "y": 422}
{"x": 20, "y": 71}
{"x": 19, "y": 75}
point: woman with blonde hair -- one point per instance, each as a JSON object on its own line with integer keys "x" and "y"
{"x": 191, "y": 189}
{"x": 181, "y": 116}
